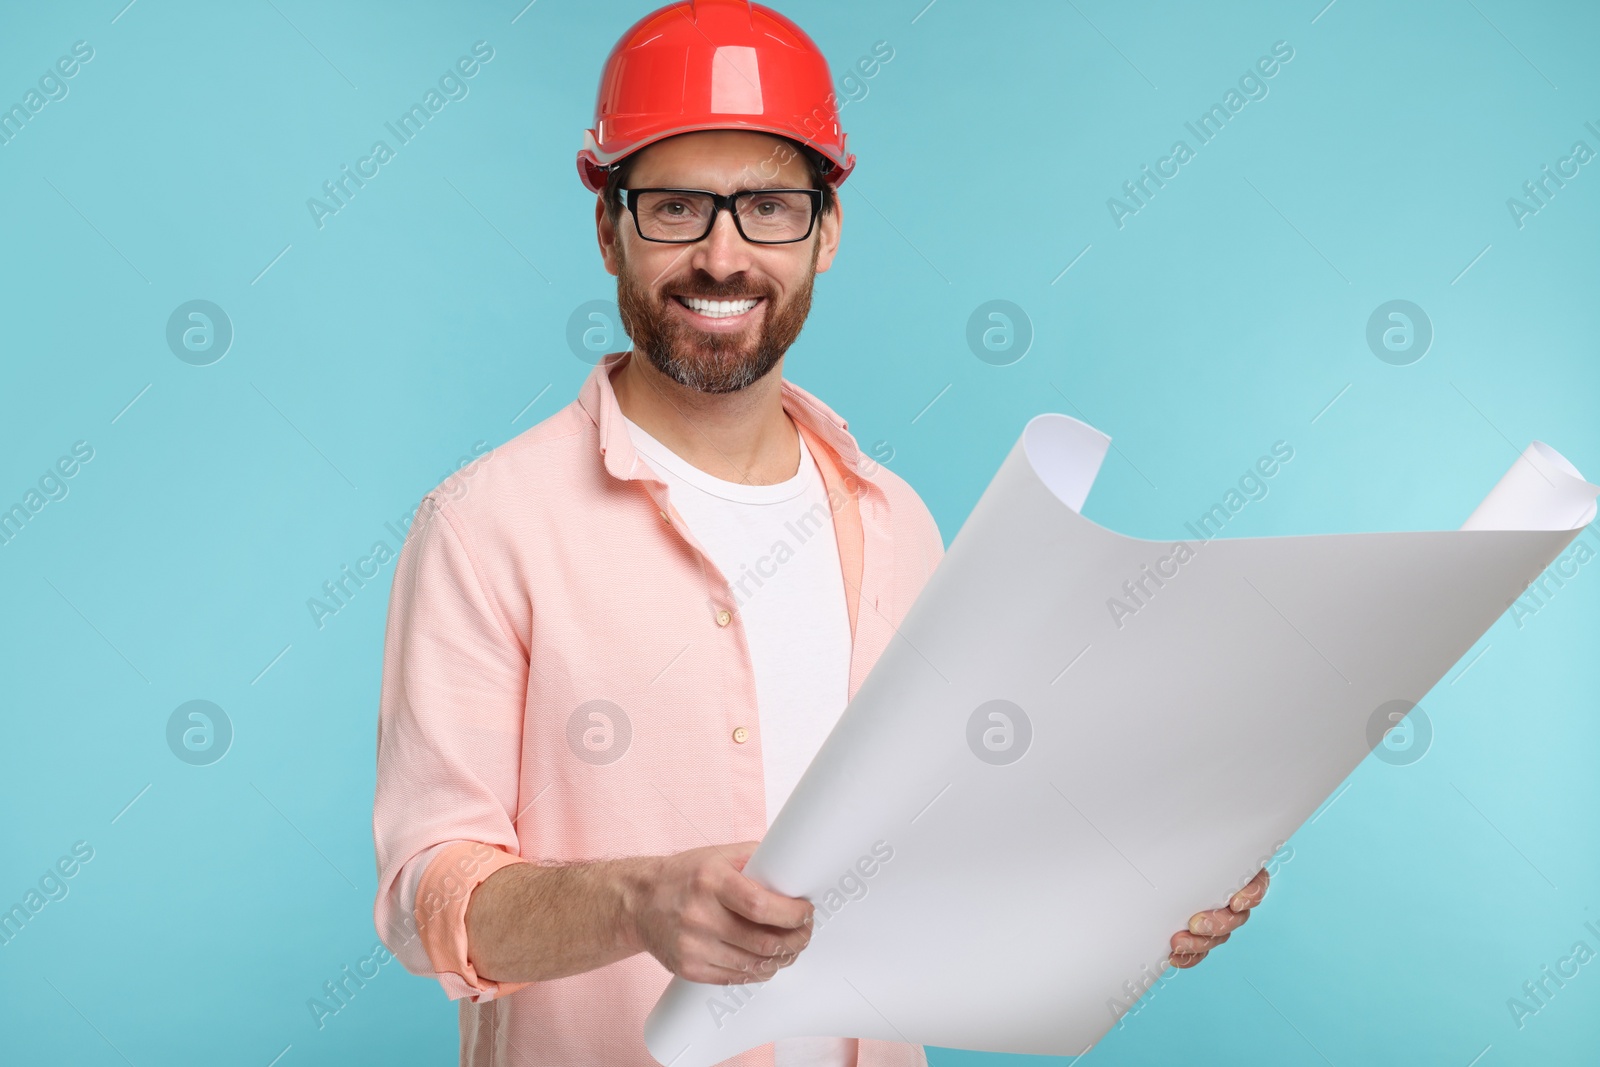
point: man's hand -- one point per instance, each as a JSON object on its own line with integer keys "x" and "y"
{"x": 706, "y": 922}
{"x": 1208, "y": 929}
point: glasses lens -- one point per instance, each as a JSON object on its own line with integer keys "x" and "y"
{"x": 763, "y": 215}
{"x": 673, "y": 216}
{"x": 775, "y": 216}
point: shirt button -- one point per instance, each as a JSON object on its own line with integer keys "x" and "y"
{"x": 664, "y": 517}
{"x": 724, "y": 617}
{"x": 740, "y": 735}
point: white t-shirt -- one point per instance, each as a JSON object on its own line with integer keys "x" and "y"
{"x": 775, "y": 546}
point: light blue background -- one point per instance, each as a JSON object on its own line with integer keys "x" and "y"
{"x": 427, "y": 314}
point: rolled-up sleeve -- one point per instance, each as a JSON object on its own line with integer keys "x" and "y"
{"x": 449, "y": 749}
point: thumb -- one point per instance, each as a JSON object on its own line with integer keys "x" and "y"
{"x": 739, "y": 853}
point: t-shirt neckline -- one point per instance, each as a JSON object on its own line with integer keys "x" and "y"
{"x": 669, "y": 462}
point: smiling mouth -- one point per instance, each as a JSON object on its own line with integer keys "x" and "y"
{"x": 718, "y": 309}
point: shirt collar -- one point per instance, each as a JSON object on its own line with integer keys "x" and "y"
{"x": 621, "y": 459}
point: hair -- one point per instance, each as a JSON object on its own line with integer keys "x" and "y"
{"x": 816, "y": 163}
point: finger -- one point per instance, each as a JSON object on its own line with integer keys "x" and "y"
{"x": 749, "y": 966}
{"x": 708, "y": 958}
{"x": 1252, "y": 893}
{"x": 773, "y": 964}
{"x": 738, "y": 853}
{"x": 1190, "y": 943}
{"x": 743, "y": 974}
{"x": 1185, "y": 960}
{"x": 763, "y": 941}
{"x": 721, "y": 976}
{"x": 761, "y": 905}
{"x": 1217, "y": 922}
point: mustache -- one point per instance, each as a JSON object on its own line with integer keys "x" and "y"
{"x": 707, "y": 289}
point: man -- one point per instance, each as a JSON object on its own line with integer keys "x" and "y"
{"x": 616, "y": 641}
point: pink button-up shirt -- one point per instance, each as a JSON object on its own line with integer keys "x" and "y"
{"x": 565, "y": 675}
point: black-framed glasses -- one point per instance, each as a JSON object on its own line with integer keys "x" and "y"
{"x": 762, "y": 216}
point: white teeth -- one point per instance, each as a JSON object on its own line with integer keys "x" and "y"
{"x": 718, "y": 309}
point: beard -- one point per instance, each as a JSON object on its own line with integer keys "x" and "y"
{"x": 700, "y": 359}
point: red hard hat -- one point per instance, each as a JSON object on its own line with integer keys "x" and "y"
{"x": 713, "y": 65}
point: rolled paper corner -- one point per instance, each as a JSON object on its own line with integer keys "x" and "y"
{"x": 1541, "y": 491}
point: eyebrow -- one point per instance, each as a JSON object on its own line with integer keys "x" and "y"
{"x": 741, "y": 189}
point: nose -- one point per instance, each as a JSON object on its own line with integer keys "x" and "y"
{"x": 722, "y": 252}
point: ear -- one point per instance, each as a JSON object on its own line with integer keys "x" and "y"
{"x": 828, "y": 234}
{"x": 606, "y": 234}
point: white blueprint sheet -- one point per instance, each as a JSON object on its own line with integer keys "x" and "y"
{"x": 1039, "y": 861}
